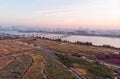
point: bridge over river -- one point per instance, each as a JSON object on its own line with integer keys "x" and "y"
{"x": 33, "y": 35}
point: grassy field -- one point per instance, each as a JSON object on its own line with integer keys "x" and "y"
{"x": 81, "y": 49}
{"x": 93, "y": 70}
{"x": 13, "y": 62}
{"x": 8, "y": 46}
{"x": 68, "y": 48}
{"x": 17, "y": 68}
{"x": 31, "y": 64}
{"x": 35, "y": 70}
{"x": 45, "y": 66}
{"x": 5, "y": 61}
{"x": 55, "y": 70}
{"x": 40, "y": 42}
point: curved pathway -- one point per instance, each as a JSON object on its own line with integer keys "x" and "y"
{"x": 17, "y": 68}
{"x": 43, "y": 69}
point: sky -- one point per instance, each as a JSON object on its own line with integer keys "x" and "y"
{"x": 104, "y": 14}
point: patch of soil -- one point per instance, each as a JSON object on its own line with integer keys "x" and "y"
{"x": 81, "y": 71}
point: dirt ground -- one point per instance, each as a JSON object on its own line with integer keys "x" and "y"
{"x": 81, "y": 71}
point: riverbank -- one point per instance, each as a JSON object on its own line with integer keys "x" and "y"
{"x": 83, "y": 43}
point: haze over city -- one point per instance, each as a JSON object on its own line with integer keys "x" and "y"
{"x": 59, "y": 39}
{"x": 100, "y": 14}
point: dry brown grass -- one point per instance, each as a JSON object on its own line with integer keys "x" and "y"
{"x": 35, "y": 70}
{"x": 40, "y": 42}
{"x": 8, "y": 46}
{"x": 4, "y": 61}
{"x": 81, "y": 49}
{"x": 68, "y": 48}
{"x": 17, "y": 68}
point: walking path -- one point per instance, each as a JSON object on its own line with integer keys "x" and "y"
{"x": 51, "y": 54}
{"x": 43, "y": 69}
{"x": 17, "y": 68}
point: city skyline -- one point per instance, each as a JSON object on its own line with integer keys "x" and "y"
{"x": 61, "y": 13}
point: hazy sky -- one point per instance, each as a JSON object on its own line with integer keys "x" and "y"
{"x": 61, "y": 13}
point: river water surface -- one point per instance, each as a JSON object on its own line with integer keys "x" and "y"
{"x": 96, "y": 40}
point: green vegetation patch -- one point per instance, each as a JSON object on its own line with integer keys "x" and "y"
{"x": 53, "y": 69}
{"x": 56, "y": 70}
{"x": 96, "y": 69}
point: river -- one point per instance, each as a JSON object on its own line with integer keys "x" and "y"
{"x": 96, "y": 40}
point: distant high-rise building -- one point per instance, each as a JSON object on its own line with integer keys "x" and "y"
{"x": 13, "y": 28}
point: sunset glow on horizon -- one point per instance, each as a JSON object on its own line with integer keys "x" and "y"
{"x": 61, "y": 13}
